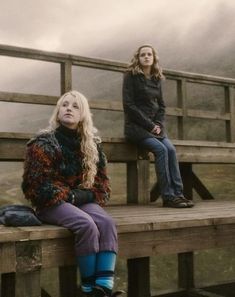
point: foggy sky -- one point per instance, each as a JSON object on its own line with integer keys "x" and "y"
{"x": 190, "y": 35}
{"x": 84, "y": 26}
{"x": 104, "y": 28}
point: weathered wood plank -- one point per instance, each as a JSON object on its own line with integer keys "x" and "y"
{"x": 198, "y": 78}
{"x": 181, "y": 103}
{"x": 12, "y": 148}
{"x": 207, "y": 225}
{"x": 200, "y": 188}
{"x": 128, "y": 219}
{"x": 28, "y": 256}
{"x": 9, "y": 234}
{"x": 28, "y": 284}
{"x": 27, "y": 53}
{"x": 230, "y": 107}
{"x": 28, "y": 98}
{"x": 65, "y": 77}
{"x": 7, "y": 256}
{"x": 186, "y": 173}
{"x": 138, "y": 182}
{"x": 58, "y": 252}
{"x": 213, "y": 115}
{"x": 182, "y": 240}
{"x": 109, "y": 105}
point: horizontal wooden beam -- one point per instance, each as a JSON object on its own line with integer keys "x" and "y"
{"x": 12, "y": 148}
{"x": 28, "y": 53}
{"x": 28, "y": 98}
{"x": 212, "y": 115}
{"x": 34, "y": 54}
{"x": 110, "y": 105}
{"x": 198, "y": 78}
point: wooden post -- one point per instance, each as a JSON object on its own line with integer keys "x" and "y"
{"x": 65, "y": 77}
{"x": 8, "y": 285}
{"x": 138, "y": 182}
{"x": 200, "y": 188}
{"x": 186, "y": 270}
{"x": 67, "y": 274}
{"x": 138, "y": 179}
{"x": 138, "y": 277}
{"x": 138, "y": 192}
{"x": 181, "y": 102}
{"x": 186, "y": 260}
{"x": 28, "y": 284}
{"x": 26, "y": 280}
{"x": 21, "y": 284}
{"x": 230, "y": 108}
{"x": 187, "y": 178}
{"x": 68, "y": 281}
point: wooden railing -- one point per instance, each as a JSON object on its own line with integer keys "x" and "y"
{"x": 153, "y": 233}
{"x": 182, "y": 79}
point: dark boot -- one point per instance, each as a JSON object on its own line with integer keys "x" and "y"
{"x": 100, "y": 292}
{"x": 117, "y": 293}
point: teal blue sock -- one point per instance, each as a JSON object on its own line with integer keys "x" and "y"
{"x": 105, "y": 266}
{"x": 87, "y": 266}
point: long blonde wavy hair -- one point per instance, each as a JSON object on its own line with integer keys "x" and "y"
{"x": 88, "y": 138}
{"x": 135, "y": 66}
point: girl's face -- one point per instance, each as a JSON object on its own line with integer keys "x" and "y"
{"x": 69, "y": 114}
{"x": 146, "y": 57}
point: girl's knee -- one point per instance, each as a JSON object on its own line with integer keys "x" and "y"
{"x": 107, "y": 227}
{"x": 160, "y": 150}
{"x": 171, "y": 150}
{"x": 86, "y": 226}
{"x": 108, "y": 222}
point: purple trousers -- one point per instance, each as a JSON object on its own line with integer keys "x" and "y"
{"x": 93, "y": 228}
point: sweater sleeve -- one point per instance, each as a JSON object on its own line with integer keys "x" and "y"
{"x": 40, "y": 183}
{"x": 129, "y": 106}
{"x": 101, "y": 187}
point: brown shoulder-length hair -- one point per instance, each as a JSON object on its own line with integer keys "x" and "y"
{"x": 135, "y": 66}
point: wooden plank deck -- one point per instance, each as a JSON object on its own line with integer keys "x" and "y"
{"x": 143, "y": 231}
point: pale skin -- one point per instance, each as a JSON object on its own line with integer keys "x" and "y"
{"x": 69, "y": 113}
{"x": 146, "y": 62}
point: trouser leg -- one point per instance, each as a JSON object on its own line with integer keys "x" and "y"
{"x": 161, "y": 165}
{"x": 174, "y": 170}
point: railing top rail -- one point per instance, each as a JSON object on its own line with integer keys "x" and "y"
{"x": 121, "y": 140}
{"x": 111, "y": 65}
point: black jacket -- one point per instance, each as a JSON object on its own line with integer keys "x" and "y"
{"x": 143, "y": 106}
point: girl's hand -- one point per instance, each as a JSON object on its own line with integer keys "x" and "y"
{"x": 156, "y": 130}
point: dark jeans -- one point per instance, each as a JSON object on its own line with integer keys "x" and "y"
{"x": 166, "y": 166}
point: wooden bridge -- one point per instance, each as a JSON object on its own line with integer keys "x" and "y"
{"x": 145, "y": 229}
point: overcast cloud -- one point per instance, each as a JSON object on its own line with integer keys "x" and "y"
{"x": 190, "y": 35}
{"x": 86, "y": 27}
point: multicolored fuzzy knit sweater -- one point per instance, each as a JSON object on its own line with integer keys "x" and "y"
{"x": 53, "y": 168}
